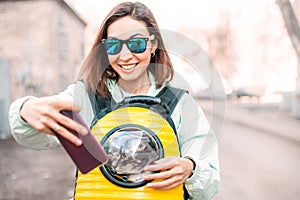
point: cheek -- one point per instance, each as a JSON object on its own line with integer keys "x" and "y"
{"x": 112, "y": 59}
{"x": 144, "y": 58}
{"x": 113, "y": 62}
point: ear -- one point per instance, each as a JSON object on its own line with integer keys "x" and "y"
{"x": 154, "y": 45}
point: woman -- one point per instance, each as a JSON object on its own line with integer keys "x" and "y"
{"x": 128, "y": 58}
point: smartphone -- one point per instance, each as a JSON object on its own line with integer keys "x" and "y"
{"x": 90, "y": 154}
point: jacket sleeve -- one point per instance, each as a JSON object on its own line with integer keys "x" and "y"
{"x": 24, "y": 133}
{"x": 199, "y": 143}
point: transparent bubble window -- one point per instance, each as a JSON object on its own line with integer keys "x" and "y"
{"x": 130, "y": 148}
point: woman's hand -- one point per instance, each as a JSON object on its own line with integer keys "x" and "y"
{"x": 173, "y": 172}
{"x": 43, "y": 114}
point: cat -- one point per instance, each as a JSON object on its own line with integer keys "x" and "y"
{"x": 129, "y": 151}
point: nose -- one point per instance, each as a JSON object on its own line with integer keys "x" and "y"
{"x": 125, "y": 53}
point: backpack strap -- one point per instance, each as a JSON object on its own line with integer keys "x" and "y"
{"x": 170, "y": 97}
{"x": 99, "y": 102}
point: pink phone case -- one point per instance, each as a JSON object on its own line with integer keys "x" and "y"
{"x": 87, "y": 156}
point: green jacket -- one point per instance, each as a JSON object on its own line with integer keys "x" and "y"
{"x": 194, "y": 133}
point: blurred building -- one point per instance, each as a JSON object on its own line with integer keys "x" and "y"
{"x": 41, "y": 48}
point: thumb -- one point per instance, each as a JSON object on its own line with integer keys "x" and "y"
{"x": 66, "y": 105}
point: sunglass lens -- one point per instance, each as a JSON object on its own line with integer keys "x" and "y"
{"x": 112, "y": 46}
{"x": 137, "y": 45}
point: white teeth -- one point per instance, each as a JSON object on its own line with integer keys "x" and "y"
{"x": 128, "y": 66}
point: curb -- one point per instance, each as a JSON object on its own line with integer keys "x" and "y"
{"x": 269, "y": 122}
{"x": 268, "y": 130}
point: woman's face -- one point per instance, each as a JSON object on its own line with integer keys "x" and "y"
{"x": 132, "y": 67}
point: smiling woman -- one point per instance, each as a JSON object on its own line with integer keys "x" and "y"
{"x": 123, "y": 24}
{"x": 123, "y": 91}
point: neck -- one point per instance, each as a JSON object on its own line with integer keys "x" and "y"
{"x": 140, "y": 86}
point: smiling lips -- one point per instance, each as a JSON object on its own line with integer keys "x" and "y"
{"x": 128, "y": 66}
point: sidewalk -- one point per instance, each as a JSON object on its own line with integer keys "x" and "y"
{"x": 264, "y": 117}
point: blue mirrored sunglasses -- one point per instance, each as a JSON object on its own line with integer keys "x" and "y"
{"x": 135, "y": 45}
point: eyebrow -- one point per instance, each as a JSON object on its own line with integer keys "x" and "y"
{"x": 137, "y": 34}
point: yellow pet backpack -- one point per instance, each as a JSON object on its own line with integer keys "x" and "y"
{"x": 134, "y": 133}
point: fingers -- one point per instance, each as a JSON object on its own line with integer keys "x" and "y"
{"x": 56, "y": 128}
{"x": 160, "y": 175}
{"x": 69, "y": 123}
{"x": 162, "y": 164}
{"x": 173, "y": 172}
{"x": 43, "y": 114}
{"x": 66, "y": 121}
{"x": 59, "y": 104}
{"x": 167, "y": 160}
{"x": 72, "y": 124}
{"x": 66, "y": 105}
{"x": 168, "y": 179}
{"x": 66, "y": 134}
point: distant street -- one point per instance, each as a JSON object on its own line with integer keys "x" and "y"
{"x": 257, "y": 165}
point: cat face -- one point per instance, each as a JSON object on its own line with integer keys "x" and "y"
{"x": 130, "y": 151}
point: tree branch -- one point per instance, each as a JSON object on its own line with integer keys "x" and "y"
{"x": 291, "y": 23}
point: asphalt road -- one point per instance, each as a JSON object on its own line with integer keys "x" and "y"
{"x": 34, "y": 175}
{"x": 254, "y": 165}
{"x": 257, "y": 165}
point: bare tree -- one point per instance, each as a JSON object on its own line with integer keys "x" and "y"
{"x": 292, "y": 27}
{"x": 221, "y": 48}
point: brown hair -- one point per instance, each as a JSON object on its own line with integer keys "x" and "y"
{"x": 96, "y": 69}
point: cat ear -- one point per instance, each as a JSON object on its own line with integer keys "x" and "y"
{"x": 143, "y": 145}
